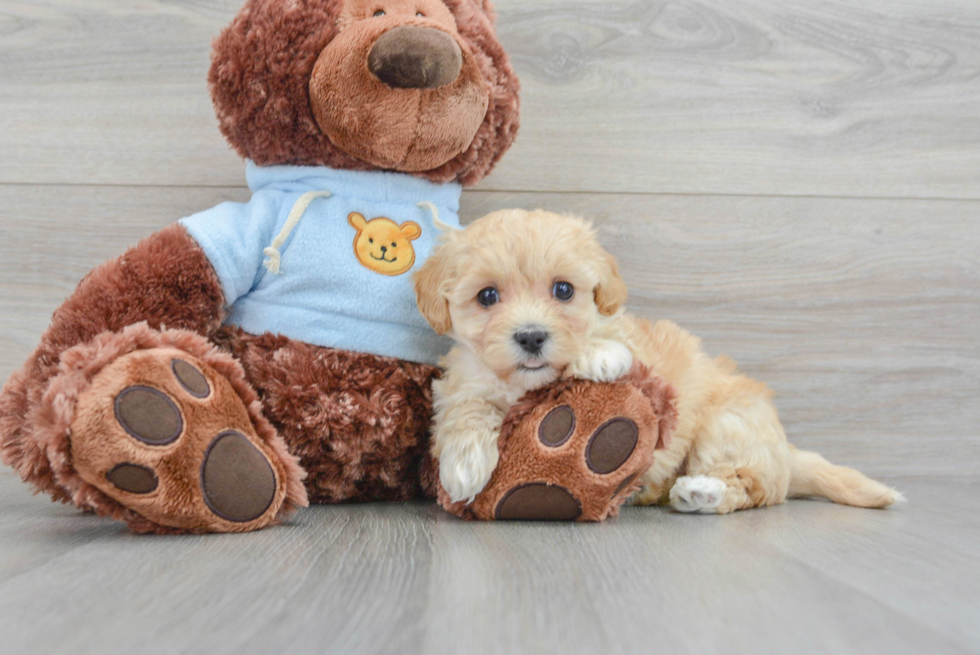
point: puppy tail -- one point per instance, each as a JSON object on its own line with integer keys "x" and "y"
{"x": 815, "y": 476}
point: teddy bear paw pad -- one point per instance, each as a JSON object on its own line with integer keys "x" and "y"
{"x": 538, "y": 501}
{"x": 148, "y": 415}
{"x": 133, "y": 478}
{"x": 168, "y": 437}
{"x": 611, "y": 445}
{"x": 231, "y": 458}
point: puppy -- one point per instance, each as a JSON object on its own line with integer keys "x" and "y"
{"x": 530, "y": 297}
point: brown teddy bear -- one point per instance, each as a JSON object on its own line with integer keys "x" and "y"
{"x": 258, "y": 356}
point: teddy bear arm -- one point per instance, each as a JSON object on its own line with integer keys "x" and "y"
{"x": 165, "y": 280}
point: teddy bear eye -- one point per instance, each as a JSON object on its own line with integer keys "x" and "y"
{"x": 394, "y": 245}
{"x": 488, "y": 296}
{"x": 563, "y": 291}
{"x": 370, "y": 240}
{"x": 380, "y": 12}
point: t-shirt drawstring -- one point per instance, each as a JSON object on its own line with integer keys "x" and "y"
{"x": 272, "y": 252}
{"x": 425, "y": 204}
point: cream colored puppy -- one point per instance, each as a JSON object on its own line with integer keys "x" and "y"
{"x": 529, "y": 297}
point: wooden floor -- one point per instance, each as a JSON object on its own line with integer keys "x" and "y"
{"x": 797, "y": 181}
{"x": 805, "y": 577}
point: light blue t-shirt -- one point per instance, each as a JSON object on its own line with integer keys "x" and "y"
{"x": 344, "y": 263}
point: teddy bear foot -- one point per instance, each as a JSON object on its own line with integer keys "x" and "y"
{"x": 609, "y": 449}
{"x": 576, "y": 450}
{"x": 167, "y": 436}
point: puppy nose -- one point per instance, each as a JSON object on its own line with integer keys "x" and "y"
{"x": 410, "y": 57}
{"x": 531, "y": 341}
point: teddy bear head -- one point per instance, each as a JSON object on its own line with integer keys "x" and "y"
{"x": 416, "y": 86}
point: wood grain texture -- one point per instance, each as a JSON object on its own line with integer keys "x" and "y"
{"x": 861, "y": 314}
{"x": 807, "y": 97}
{"x": 809, "y": 577}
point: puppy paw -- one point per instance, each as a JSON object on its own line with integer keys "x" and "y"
{"x": 607, "y": 361}
{"x": 697, "y": 493}
{"x": 465, "y": 469}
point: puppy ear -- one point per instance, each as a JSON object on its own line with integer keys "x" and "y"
{"x": 357, "y": 221}
{"x": 610, "y": 294}
{"x": 429, "y": 281}
{"x": 410, "y": 230}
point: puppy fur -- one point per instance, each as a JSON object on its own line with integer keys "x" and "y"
{"x": 729, "y": 450}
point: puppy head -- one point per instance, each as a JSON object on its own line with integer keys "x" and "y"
{"x": 523, "y": 289}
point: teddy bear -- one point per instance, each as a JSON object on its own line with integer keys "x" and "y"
{"x": 255, "y": 357}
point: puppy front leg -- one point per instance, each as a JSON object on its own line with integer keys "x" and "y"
{"x": 602, "y": 360}
{"x": 466, "y": 436}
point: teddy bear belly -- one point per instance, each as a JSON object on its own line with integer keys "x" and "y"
{"x": 358, "y": 422}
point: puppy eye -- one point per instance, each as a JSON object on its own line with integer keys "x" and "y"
{"x": 563, "y": 291}
{"x": 380, "y": 12}
{"x": 488, "y": 296}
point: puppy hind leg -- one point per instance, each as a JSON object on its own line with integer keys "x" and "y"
{"x": 740, "y": 460}
{"x": 722, "y": 491}
{"x": 698, "y": 493}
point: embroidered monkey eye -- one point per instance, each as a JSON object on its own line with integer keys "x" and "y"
{"x": 380, "y": 12}
{"x": 563, "y": 291}
{"x": 488, "y": 296}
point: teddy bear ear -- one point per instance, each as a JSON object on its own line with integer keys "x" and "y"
{"x": 466, "y": 6}
{"x": 488, "y": 9}
{"x": 357, "y": 221}
{"x": 410, "y": 230}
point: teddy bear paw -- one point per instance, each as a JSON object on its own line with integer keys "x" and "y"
{"x": 605, "y": 453}
{"x": 575, "y": 452}
{"x": 166, "y": 436}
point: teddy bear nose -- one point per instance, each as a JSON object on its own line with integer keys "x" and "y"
{"x": 411, "y": 57}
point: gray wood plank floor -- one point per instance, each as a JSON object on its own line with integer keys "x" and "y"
{"x": 806, "y": 577}
{"x": 798, "y": 182}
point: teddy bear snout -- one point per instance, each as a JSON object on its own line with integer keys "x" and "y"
{"x": 413, "y": 57}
